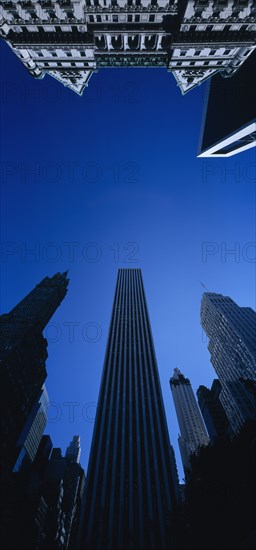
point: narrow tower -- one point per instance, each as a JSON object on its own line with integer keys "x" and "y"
{"x": 73, "y": 451}
{"x": 192, "y": 430}
{"x": 131, "y": 490}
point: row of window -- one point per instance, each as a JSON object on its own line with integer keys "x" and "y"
{"x": 122, "y": 18}
{"x": 102, "y": 18}
{"x": 64, "y": 64}
{"x": 198, "y": 52}
{"x": 68, "y": 54}
{"x": 192, "y": 63}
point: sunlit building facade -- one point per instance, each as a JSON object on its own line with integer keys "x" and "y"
{"x": 72, "y": 39}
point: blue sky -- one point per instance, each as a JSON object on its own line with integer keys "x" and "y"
{"x": 110, "y": 180}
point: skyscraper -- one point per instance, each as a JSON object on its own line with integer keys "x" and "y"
{"x": 227, "y": 129}
{"x": 214, "y": 415}
{"x": 192, "y": 430}
{"x": 23, "y": 356}
{"x": 131, "y": 488}
{"x": 73, "y": 451}
{"x": 32, "y": 432}
{"x": 71, "y": 39}
{"x": 41, "y": 503}
{"x": 232, "y": 344}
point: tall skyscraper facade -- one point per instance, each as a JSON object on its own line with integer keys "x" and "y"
{"x": 192, "y": 430}
{"x": 23, "y": 355}
{"x": 131, "y": 488}
{"x": 71, "y": 39}
{"x": 232, "y": 344}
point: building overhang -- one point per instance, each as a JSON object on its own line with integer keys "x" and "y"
{"x": 243, "y": 139}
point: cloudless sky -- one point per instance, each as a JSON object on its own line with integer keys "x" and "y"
{"x": 111, "y": 180}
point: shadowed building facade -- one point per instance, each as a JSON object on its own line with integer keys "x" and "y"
{"x": 213, "y": 411}
{"x": 229, "y": 121}
{"x": 23, "y": 368}
{"x": 132, "y": 485}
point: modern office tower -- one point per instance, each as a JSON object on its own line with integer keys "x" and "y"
{"x": 130, "y": 490}
{"x": 192, "y": 430}
{"x": 213, "y": 412}
{"x": 32, "y": 432}
{"x": 72, "y": 39}
{"x": 23, "y": 356}
{"x": 232, "y": 344}
{"x": 229, "y": 121}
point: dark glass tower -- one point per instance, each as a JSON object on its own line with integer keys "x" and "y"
{"x": 213, "y": 411}
{"x": 23, "y": 354}
{"x": 131, "y": 487}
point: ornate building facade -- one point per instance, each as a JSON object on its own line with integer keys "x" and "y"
{"x": 72, "y": 39}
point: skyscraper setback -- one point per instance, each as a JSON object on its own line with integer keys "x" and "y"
{"x": 193, "y": 432}
{"x": 131, "y": 486}
{"x": 232, "y": 344}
